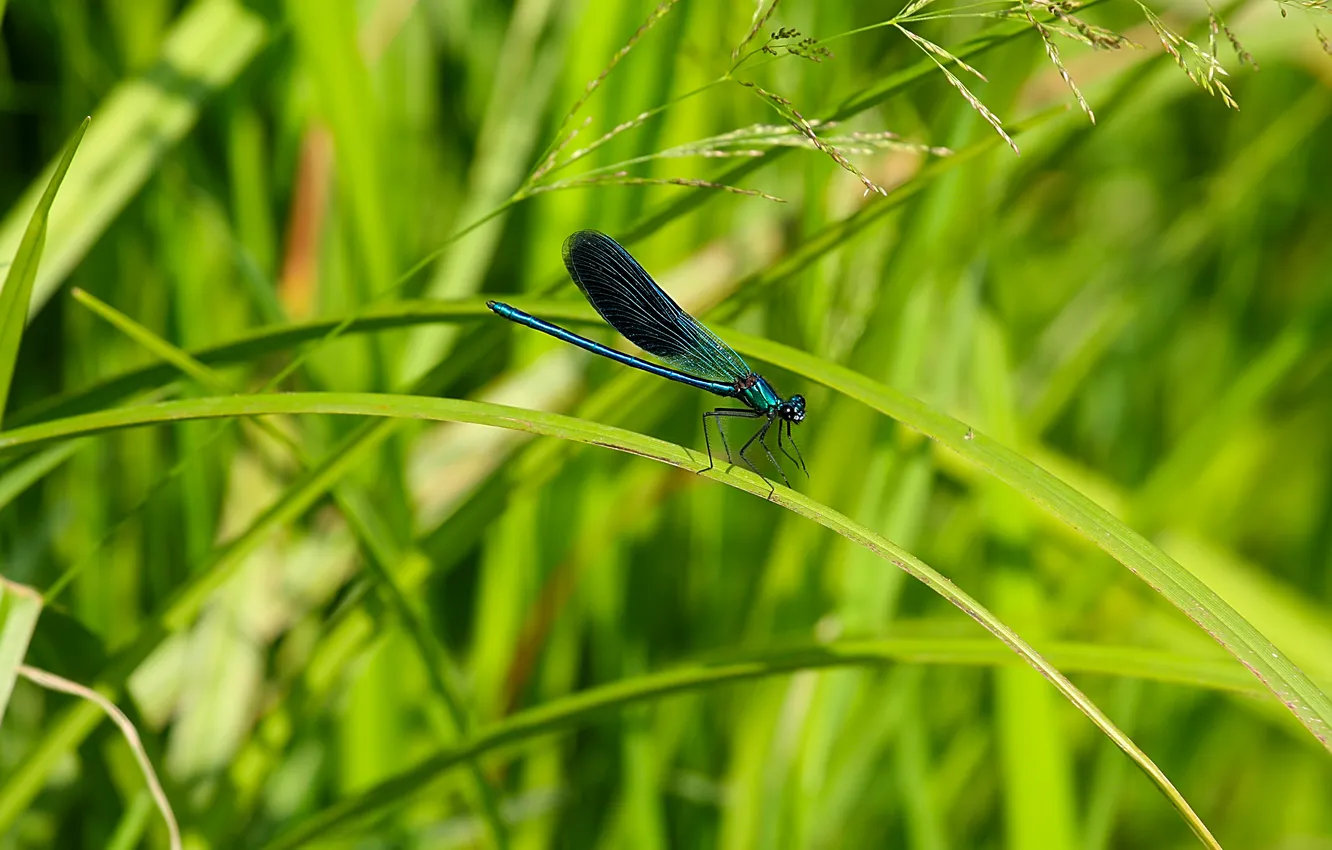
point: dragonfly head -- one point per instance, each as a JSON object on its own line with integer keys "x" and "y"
{"x": 793, "y": 409}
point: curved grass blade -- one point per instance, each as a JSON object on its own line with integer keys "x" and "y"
{"x": 77, "y": 722}
{"x": 248, "y": 347}
{"x": 1290, "y": 684}
{"x": 1161, "y": 572}
{"x": 53, "y": 682}
{"x": 1089, "y": 519}
{"x": 385, "y": 555}
{"x": 592, "y": 704}
{"x": 387, "y": 316}
{"x": 564, "y": 427}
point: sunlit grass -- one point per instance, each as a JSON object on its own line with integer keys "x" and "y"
{"x": 360, "y": 600}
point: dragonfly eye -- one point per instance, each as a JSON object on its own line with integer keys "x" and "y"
{"x": 793, "y": 409}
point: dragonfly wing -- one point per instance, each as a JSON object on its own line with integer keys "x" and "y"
{"x": 631, "y": 302}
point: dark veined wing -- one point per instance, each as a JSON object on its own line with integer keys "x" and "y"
{"x": 632, "y": 303}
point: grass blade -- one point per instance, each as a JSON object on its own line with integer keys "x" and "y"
{"x": 592, "y": 704}
{"x": 365, "y": 520}
{"x": 138, "y": 122}
{"x": 20, "y": 607}
{"x": 404, "y": 314}
{"x": 1164, "y": 574}
{"x": 56, "y": 683}
{"x": 1092, "y": 521}
{"x": 21, "y": 476}
{"x": 548, "y": 424}
{"x": 22, "y": 274}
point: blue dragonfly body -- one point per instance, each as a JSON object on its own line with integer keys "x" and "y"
{"x": 629, "y": 300}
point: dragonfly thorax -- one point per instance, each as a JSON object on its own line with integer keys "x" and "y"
{"x": 755, "y": 391}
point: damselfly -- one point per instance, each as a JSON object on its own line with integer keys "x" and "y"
{"x": 631, "y": 302}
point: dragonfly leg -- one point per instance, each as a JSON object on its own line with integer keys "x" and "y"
{"x": 759, "y": 436}
{"x": 764, "y": 443}
{"x": 799, "y": 459}
{"x": 742, "y": 412}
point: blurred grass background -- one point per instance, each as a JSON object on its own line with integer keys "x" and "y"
{"x": 1141, "y": 306}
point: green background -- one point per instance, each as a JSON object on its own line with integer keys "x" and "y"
{"x": 298, "y": 608}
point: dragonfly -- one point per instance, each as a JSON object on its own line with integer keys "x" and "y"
{"x": 630, "y": 301}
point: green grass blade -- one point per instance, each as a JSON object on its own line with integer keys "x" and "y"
{"x": 20, "y": 607}
{"x": 506, "y": 140}
{"x": 892, "y": 85}
{"x": 26, "y": 782}
{"x": 1095, "y": 523}
{"x": 207, "y": 378}
{"x": 369, "y": 527}
{"x": 21, "y": 476}
{"x": 1165, "y": 575}
{"x": 406, "y": 314}
{"x": 1035, "y": 753}
{"x": 22, "y": 273}
{"x": 184, "y": 605}
{"x": 181, "y": 610}
{"x": 326, "y": 36}
{"x": 592, "y": 704}
{"x": 138, "y": 122}
{"x": 548, "y": 424}
{"x": 251, "y": 346}
{"x": 53, "y": 682}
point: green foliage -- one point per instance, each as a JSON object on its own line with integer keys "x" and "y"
{"x": 19, "y": 609}
{"x": 351, "y": 555}
{"x": 22, "y": 273}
